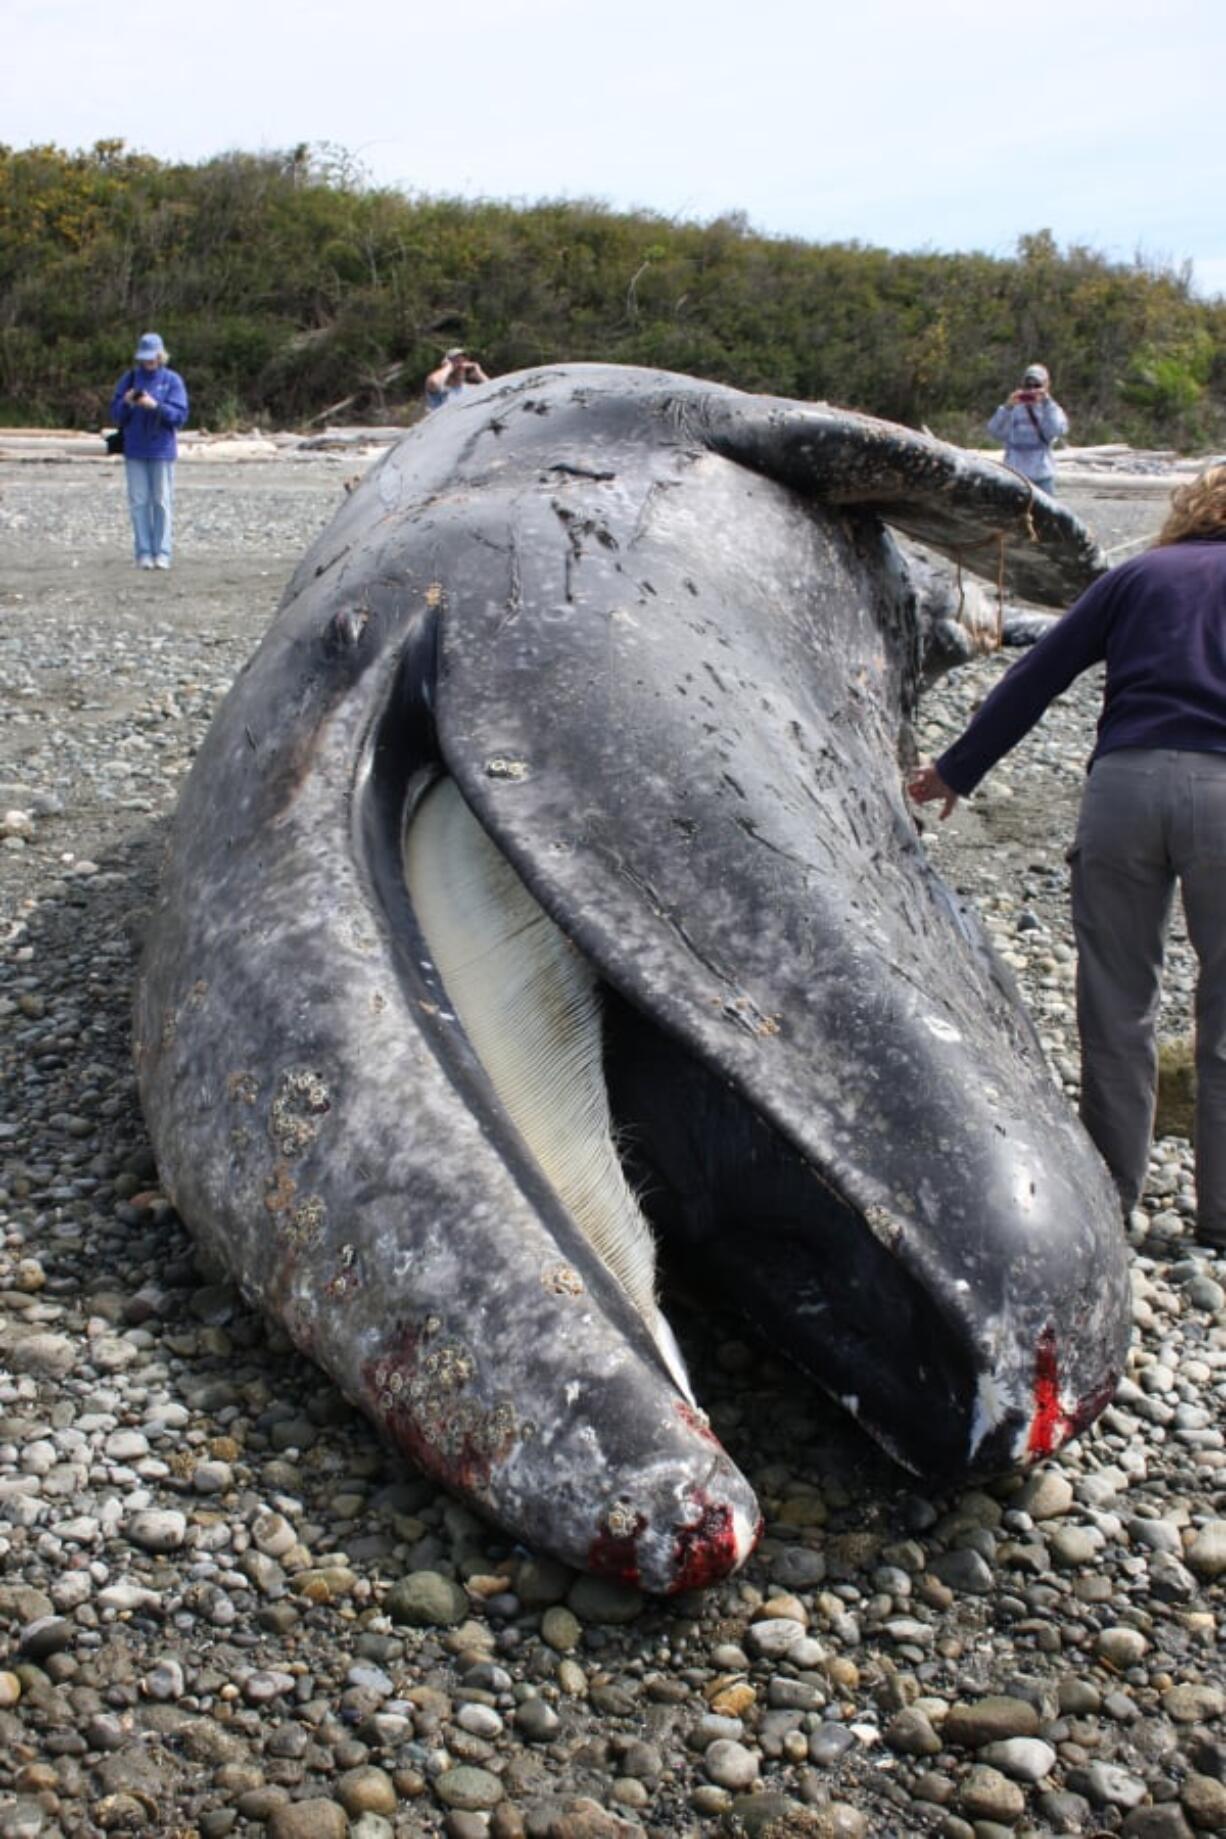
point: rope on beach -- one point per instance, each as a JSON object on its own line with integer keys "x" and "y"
{"x": 1134, "y": 542}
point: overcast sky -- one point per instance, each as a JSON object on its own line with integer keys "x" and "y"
{"x": 947, "y": 124}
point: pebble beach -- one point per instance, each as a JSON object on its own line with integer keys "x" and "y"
{"x": 225, "y": 1607}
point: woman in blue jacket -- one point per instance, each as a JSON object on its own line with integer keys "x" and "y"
{"x": 149, "y": 404}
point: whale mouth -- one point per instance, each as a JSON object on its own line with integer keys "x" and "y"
{"x": 639, "y": 1141}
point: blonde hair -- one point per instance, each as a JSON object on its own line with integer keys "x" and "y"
{"x": 1197, "y": 508}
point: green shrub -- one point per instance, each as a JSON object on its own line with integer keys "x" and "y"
{"x": 283, "y": 283}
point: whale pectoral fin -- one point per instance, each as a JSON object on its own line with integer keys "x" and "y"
{"x": 965, "y": 504}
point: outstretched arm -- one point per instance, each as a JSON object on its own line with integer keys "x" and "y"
{"x": 927, "y": 784}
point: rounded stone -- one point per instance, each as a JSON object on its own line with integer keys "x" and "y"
{"x": 760, "y": 1815}
{"x": 561, "y": 1629}
{"x": 157, "y": 1529}
{"x": 48, "y": 1635}
{"x": 1204, "y": 1802}
{"x": 986, "y": 1794}
{"x": 314, "y": 1819}
{"x": 1204, "y": 1292}
{"x": 1164, "y": 1822}
{"x": 1207, "y": 1553}
{"x": 600, "y": 1599}
{"x": 1105, "y": 1784}
{"x": 541, "y": 1581}
{"x": 479, "y": 1720}
{"x": 114, "y": 1813}
{"x": 536, "y": 1721}
{"x": 265, "y": 1684}
{"x": 273, "y": 1535}
{"x": 1121, "y": 1647}
{"x": 1045, "y": 1495}
{"x": 427, "y": 1599}
{"x": 1072, "y": 1546}
{"x": 838, "y": 1820}
{"x": 730, "y": 1765}
{"x": 987, "y": 1720}
{"x": 798, "y": 1567}
{"x": 468, "y": 1789}
{"x": 735, "y": 1700}
{"x": 1156, "y": 1535}
{"x": 1023, "y": 1759}
{"x": 911, "y": 1733}
{"x": 258, "y": 1803}
{"x": 456, "y": 1825}
{"x": 1194, "y": 1704}
{"x": 770, "y": 1640}
{"x": 964, "y": 1570}
{"x": 126, "y": 1445}
{"x": 10, "y": 1691}
{"x": 45, "y": 1356}
{"x": 212, "y": 1477}
{"x": 829, "y": 1744}
{"x": 366, "y": 1790}
{"x": 165, "y": 1681}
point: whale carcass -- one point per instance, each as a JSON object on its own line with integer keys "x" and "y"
{"x": 544, "y": 889}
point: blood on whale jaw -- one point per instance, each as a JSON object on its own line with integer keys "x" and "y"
{"x": 530, "y": 1007}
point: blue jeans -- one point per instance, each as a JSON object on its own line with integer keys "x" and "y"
{"x": 151, "y": 486}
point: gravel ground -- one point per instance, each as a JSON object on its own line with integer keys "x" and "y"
{"x": 223, "y": 1607}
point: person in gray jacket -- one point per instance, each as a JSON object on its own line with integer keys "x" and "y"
{"x": 1028, "y": 423}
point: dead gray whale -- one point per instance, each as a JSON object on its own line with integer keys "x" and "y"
{"x": 544, "y": 889}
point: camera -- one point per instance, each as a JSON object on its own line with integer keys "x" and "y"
{"x": 1029, "y": 395}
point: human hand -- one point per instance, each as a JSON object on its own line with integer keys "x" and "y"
{"x": 146, "y": 401}
{"x": 927, "y": 784}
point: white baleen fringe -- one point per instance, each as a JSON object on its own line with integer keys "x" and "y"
{"x": 529, "y": 1005}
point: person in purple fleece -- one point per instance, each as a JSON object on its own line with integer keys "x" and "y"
{"x": 1153, "y": 813}
{"x": 149, "y": 405}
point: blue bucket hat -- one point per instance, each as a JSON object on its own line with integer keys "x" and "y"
{"x": 149, "y": 345}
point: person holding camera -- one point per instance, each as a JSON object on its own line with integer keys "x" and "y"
{"x": 455, "y": 375}
{"x": 1028, "y": 422}
{"x": 149, "y": 405}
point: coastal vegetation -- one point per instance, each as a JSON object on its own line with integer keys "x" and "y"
{"x": 285, "y": 284}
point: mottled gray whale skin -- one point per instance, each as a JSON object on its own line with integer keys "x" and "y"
{"x": 657, "y": 633}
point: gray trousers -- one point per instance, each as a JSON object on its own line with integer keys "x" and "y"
{"x": 1150, "y": 818}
